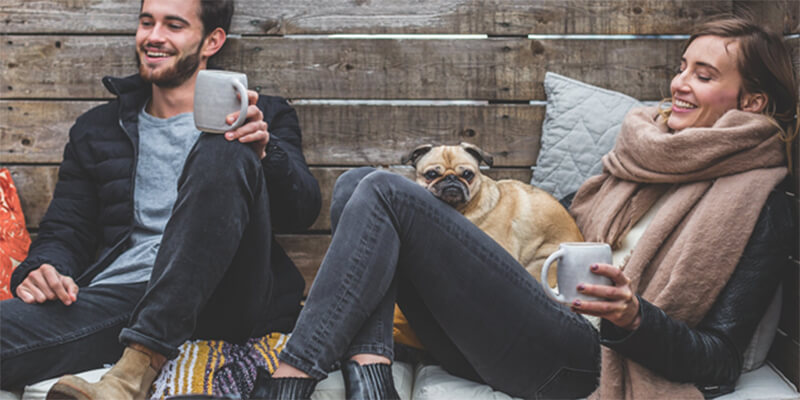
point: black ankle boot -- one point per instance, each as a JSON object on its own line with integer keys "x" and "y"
{"x": 282, "y": 388}
{"x": 368, "y": 382}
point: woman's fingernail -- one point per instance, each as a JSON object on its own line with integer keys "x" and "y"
{"x": 581, "y": 287}
{"x": 576, "y": 303}
{"x": 229, "y": 135}
{"x": 594, "y": 267}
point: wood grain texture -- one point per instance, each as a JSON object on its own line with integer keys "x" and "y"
{"x": 35, "y": 184}
{"x": 36, "y": 131}
{"x": 306, "y": 251}
{"x": 482, "y": 69}
{"x": 508, "y": 17}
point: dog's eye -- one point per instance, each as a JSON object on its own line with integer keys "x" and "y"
{"x": 467, "y": 174}
{"x": 431, "y": 175}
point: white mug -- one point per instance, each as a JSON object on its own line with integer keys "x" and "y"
{"x": 574, "y": 260}
{"x": 215, "y": 97}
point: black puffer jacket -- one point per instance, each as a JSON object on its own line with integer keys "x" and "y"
{"x": 710, "y": 354}
{"x": 90, "y": 217}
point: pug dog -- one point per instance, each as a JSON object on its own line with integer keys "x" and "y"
{"x": 527, "y": 221}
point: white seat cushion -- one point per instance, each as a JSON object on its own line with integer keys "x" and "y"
{"x": 332, "y": 387}
{"x": 763, "y": 383}
{"x": 8, "y": 395}
{"x": 39, "y": 390}
{"x": 433, "y": 383}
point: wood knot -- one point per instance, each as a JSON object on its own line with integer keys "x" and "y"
{"x": 536, "y": 47}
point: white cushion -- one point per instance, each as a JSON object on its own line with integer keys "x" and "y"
{"x": 433, "y": 383}
{"x": 8, "y": 395}
{"x": 765, "y": 383}
{"x": 756, "y": 353}
{"x": 39, "y": 390}
{"x": 332, "y": 387}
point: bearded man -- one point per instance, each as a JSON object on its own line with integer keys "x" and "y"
{"x": 158, "y": 233}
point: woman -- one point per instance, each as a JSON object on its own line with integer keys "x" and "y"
{"x": 682, "y": 310}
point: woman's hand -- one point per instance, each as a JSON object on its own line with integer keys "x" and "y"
{"x": 621, "y": 307}
{"x": 254, "y": 130}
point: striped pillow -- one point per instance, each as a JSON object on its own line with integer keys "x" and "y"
{"x": 218, "y": 368}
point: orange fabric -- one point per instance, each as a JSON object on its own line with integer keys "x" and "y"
{"x": 14, "y": 238}
{"x": 402, "y": 331}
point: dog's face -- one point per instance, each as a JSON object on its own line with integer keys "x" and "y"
{"x": 451, "y": 173}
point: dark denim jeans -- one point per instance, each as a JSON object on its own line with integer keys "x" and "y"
{"x": 211, "y": 279}
{"x": 472, "y": 305}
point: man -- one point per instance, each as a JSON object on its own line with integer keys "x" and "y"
{"x": 121, "y": 247}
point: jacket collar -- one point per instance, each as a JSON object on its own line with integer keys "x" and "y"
{"x": 132, "y": 92}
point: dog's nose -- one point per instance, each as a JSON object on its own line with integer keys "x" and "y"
{"x": 451, "y": 177}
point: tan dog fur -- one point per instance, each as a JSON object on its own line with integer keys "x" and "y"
{"x": 526, "y": 221}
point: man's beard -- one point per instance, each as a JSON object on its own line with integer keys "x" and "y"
{"x": 175, "y": 75}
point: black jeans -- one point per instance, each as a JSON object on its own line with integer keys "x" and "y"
{"x": 211, "y": 279}
{"x": 475, "y": 308}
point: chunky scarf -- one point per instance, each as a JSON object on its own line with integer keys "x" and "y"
{"x": 717, "y": 180}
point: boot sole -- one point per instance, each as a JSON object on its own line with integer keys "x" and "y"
{"x": 63, "y": 391}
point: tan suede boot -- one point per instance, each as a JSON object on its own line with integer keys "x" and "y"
{"x": 129, "y": 379}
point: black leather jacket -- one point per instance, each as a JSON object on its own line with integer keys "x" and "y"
{"x": 710, "y": 354}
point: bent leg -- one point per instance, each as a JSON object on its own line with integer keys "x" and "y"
{"x": 211, "y": 276}
{"x": 41, "y": 341}
{"x": 499, "y": 318}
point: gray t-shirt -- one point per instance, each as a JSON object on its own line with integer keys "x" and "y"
{"x": 163, "y": 147}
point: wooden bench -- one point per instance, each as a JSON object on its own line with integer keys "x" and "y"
{"x": 364, "y": 95}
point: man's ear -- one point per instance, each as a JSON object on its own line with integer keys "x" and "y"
{"x": 213, "y": 42}
{"x": 754, "y": 102}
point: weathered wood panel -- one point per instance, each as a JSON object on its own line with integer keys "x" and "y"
{"x": 513, "y": 17}
{"x": 775, "y": 14}
{"x": 36, "y": 131}
{"x": 307, "y": 252}
{"x": 35, "y": 185}
{"x": 480, "y": 69}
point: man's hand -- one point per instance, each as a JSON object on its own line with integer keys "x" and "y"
{"x": 254, "y": 130}
{"x": 45, "y": 283}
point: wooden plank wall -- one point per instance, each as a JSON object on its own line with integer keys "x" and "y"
{"x": 365, "y": 99}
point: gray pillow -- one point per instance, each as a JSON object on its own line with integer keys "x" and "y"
{"x": 580, "y": 125}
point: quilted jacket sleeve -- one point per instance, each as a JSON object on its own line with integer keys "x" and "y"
{"x": 68, "y": 232}
{"x": 294, "y": 193}
{"x": 710, "y": 354}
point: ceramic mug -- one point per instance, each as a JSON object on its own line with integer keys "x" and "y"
{"x": 215, "y": 97}
{"x": 574, "y": 260}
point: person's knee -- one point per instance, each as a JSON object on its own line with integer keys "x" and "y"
{"x": 213, "y": 150}
{"x": 385, "y": 181}
{"x": 343, "y": 190}
{"x": 217, "y": 160}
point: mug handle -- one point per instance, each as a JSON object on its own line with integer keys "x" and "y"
{"x": 546, "y": 267}
{"x": 245, "y": 103}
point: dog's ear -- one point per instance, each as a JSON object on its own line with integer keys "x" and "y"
{"x": 479, "y": 154}
{"x": 414, "y": 156}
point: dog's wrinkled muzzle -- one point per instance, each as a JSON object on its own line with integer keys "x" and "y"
{"x": 451, "y": 190}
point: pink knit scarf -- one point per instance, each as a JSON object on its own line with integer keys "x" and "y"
{"x": 717, "y": 180}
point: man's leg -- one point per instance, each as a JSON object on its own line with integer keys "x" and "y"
{"x": 212, "y": 270}
{"x": 41, "y": 341}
